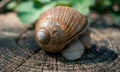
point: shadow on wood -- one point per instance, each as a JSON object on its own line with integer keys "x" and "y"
{"x": 27, "y": 55}
{"x": 91, "y": 56}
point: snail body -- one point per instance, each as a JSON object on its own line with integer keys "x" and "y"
{"x": 74, "y": 50}
{"x": 58, "y": 27}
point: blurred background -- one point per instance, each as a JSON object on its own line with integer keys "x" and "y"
{"x": 101, "y": 13}
{"x": 19, "y": 51}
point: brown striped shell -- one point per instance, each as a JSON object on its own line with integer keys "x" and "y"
{"x": 57, "y": 27}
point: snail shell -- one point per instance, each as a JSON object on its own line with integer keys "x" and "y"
{"x": 57, "y": 27}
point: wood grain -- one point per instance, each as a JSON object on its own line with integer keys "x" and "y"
{"x": 24, "y": 55}
{"x": 12, "y": 54}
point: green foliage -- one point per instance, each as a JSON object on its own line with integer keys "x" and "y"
{"x": 27, "y": 6}
{"x": 30, "y": 10}
{"x": 31, "y": 15}
{"x": 12, "y": 5}
{"x": 44, "y": 1}
{"x": 103, "y": 6}
{"x": 83, "y": 5}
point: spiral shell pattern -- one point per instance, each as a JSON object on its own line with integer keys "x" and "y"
{"x": 70, "y": 21}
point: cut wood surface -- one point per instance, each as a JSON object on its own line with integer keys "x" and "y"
{"x": 22, "y": 54}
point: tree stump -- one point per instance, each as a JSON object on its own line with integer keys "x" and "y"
{"x": 24, "y": 54}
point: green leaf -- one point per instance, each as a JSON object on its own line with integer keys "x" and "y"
{"x": 83, "y": 5}
{"x": 30, "y": 17}
{"x": 107, "y": 2}
{"x": 12, "y": 5}
{"x": 63, "y": 3}
{"x": 44, "y": 1}
{"x": 89, "y": 2}
{"x": 76, "y": 1}
{"x": 84, "y": 2}
{"x": 26, "y": 6}
{"x": 83, "y": 9}
{"x": 47, "y": 6}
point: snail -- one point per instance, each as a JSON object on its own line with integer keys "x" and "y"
{"x": 63, "y": 29}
